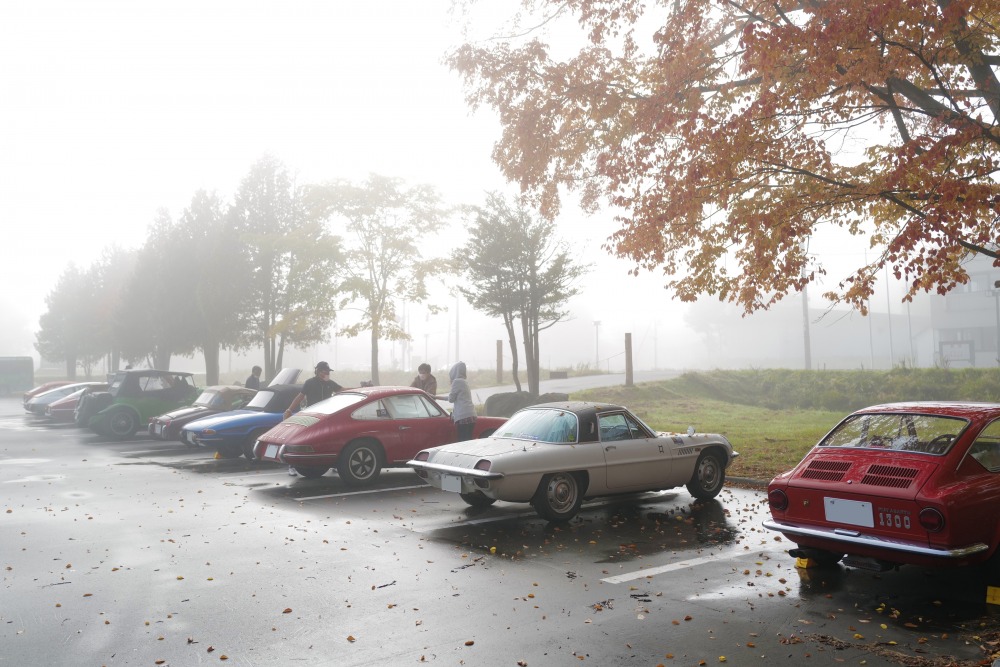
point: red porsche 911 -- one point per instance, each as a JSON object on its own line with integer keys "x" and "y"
{"x": 361, "y": 431}
{"x": 894, "y": 484}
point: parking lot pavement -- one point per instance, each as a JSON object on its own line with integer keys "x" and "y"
{"x": 139, "y": 552}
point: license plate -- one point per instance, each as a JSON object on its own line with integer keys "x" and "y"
{"x": 451, "y": 483}
{"x": 158, "y": 429}
{"x": 271, "y": 452}
{"x": 852, "y": 512}
{"x": 190, "y": 438}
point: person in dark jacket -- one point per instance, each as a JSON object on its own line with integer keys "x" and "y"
{"x": 425, "y": 380}
{"x": 253, "y": 382}
{"x": 315, "y": 389}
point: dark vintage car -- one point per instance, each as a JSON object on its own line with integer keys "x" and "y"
{"x": 360, "y": 431}
{"x": 233, "y": 433}
{"x": 902, "y": 483}
{"x": 133, "y": 397}
{"x": 212, "y": 400}
{"x": 64, "y": 409}
{"x": 555, "y": 455}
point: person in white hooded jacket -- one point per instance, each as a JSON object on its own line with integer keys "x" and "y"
{"x": 463, "y": 411}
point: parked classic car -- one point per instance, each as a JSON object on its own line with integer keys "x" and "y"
{"x": 903, "y": 483}
{"x": 555, "y": 455}
{"x": 360, "y": 431}
{"x": 132, "y": 398}
{"x": 212, "y": 400}
{"x": 233, "y": 433}
{"x": 64, "y": 409}
{"x": 34, "y": 391}
{"x": 37, "y": 403}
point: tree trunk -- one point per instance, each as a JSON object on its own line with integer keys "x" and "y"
{"x": 508, "y": 322}
{"x": 70, "y": 367}
{"x": 375, "y": 336}
{"x": 211, "y": 351}
{"x": 161, "y": 359}
{"x": 530, "y": 352}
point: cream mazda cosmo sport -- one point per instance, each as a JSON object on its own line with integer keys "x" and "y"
{"x": 555, "y": 455}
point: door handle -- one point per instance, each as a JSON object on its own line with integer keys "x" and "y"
{"x": 610, "y": 447}
{"x": 403, "y": 428}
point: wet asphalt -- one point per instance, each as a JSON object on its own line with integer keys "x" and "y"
{"x": 151, "y": 553}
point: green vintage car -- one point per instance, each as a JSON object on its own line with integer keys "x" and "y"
{"x": 133, "y": 397}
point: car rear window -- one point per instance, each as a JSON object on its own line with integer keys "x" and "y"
{"x": 905, "y": 432}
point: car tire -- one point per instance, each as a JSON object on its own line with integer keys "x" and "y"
{"x": 558, "y": 497}
{"x": 708, "y": 477}
{"x": 360, "y": 463}
{"x": 250, "y": 442}
{"x": 122, "y": 424}
{"x": 477, "y": 499}
{"x": 311, "y": 472}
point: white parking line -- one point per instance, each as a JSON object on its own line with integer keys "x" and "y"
{"x": 653, "y": 571}
{"x": 360, "y": 493}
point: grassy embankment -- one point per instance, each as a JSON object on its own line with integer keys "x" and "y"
{"x": 773, "y": 417}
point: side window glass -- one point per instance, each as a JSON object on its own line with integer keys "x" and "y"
{"x": 986, "y": 448}
{"x": 613, "y": 427}
{"x": 371, "y": 411}
{"x": 637, "y": 430}
{"x": 432, "y": 410}
{"x": 408, "y": 406}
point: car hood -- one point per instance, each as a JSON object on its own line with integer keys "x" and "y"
{"x": 485, "y": 448}
{"x": 235, "y": 419}
{"x": 188, "y": 411}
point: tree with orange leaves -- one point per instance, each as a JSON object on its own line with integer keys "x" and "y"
{"x": 728, "y": 133}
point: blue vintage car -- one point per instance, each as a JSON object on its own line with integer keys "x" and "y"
{"x": 234, "y": 433}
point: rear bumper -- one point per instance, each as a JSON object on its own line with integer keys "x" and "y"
{"x": 853, "y": 541}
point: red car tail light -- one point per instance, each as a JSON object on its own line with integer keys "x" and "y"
{"x": 484, "y": 465}
{"x": 777, "y": 499}
{"x": 932, "y": 520}
{"x": 422, "y": 456}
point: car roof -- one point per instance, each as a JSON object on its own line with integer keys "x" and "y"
{"x": 966, "y": 409}
{"x": 582, "y": 409}
{"x": 383, "y": 391}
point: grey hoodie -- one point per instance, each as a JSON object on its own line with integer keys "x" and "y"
{"x": 461, "y": 395}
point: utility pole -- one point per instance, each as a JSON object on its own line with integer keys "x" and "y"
{"x": 597, "y": 345}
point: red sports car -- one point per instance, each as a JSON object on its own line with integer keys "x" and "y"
{"x": 902, "y": 483}
{"x": 361, "y": 431}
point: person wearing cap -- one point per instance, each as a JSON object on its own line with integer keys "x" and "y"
{"x": 315, "y": 389}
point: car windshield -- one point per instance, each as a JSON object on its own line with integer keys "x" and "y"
{"x": 209, "y": 399}
{"x": 556, "y": 426}
{"x": 335, "y": 403}
{"x": 905, "y": 432}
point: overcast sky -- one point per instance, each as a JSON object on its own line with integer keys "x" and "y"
{"x": 114, "y": 109}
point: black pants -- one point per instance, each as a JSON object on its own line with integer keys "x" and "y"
{"x": 465, "y": 431}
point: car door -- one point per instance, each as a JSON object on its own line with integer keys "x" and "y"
{"x": 418, "y": 424}
{"x": 635, "y": 459}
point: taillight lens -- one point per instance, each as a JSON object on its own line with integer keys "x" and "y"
{"x": 422, "y": 456}
{"x": 484, "y": 465}
{"x": 777, "y": 499}
{"x": 932, "y": 520}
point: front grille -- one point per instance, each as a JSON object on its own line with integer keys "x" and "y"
{"x": 890, "y": 476}
{"x": 826, "y": 471}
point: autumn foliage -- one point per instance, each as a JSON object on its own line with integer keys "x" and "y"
{"x": 727, "y": 134}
